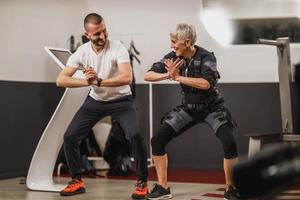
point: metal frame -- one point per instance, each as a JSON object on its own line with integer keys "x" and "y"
{"x": 285, "y": 80}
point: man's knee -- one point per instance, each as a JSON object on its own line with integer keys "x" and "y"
{"x": 137, "y": 142}
{"x": 68, "y": 138}
{"x": 138, "y": 146}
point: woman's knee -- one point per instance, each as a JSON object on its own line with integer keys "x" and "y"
{"x": 158, "y": 142}
{"x": 225, "y": 134}
{"x": 158, "y": 147}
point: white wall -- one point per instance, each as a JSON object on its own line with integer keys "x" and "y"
{"x": 28, "y": 26}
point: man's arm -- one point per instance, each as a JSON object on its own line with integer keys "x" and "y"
{"x": 123, "y": 78}
{"x": 65, "y": 79}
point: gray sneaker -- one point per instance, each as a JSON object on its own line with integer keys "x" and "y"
{"x": 159, "y": 193}
{"x": 232, "y": 194}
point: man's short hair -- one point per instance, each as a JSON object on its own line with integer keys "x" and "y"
{"x": 92, "y": 18}
{"x": 185, "y": 31}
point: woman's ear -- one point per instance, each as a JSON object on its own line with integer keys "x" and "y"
{"x": 188, "y": 42}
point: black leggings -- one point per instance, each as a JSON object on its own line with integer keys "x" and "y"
{"x": 166, "y": 133}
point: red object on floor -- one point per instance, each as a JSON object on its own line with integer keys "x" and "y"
{"x": 174, "y": 175}
{"x": 213, "y": 195}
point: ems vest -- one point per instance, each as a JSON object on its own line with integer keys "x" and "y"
{"x": 201, "y": 65}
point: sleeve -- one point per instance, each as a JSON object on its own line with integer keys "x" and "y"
{"x": 122, "y": 55}
{"x": 209, "y": 68}
{"x": 74, "y": 59}
{"x": 159, "y": 67}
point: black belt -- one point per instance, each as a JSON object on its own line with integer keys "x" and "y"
{"x": 195, "y": 106}
{"x": 193, "y": 98}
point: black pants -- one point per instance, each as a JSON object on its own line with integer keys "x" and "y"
{"x": 123, "y": 110}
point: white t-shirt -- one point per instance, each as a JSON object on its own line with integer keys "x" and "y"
{"x": 105, "y": 64}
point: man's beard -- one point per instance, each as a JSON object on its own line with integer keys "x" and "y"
{"x": 99, "y": 43}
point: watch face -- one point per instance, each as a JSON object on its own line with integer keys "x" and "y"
{"x": 99, "y": 80}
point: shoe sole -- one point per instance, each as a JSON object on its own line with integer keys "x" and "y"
{"x": 234, "y": 198}
{"x": 168, "y": 196}
{"x": 73, "y": 193}
{"x": 138, "y": 197}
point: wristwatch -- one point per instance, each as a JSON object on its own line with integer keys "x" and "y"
{"x": 99, "y": 80}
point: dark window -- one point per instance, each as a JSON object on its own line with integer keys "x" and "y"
{"x": 248, "y": 31}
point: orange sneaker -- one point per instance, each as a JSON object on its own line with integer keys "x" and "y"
{"x": 141, "y": 190}
{"x": 74, "y": 187}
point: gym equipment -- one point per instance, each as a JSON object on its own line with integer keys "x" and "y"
{"x": 285, "y": 78}
{"x": 277, "y": 167}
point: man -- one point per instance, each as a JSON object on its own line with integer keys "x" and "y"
{"x": 195, "y": 69}
{"x": 108, "y": 73}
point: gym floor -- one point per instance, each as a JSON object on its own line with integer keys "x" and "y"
{"x": 185, "y": 185}
{"x": 107, "y": 189}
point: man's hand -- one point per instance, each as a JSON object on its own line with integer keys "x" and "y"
{"x": 173, "y": 67}
{"x": 90, "y": 75}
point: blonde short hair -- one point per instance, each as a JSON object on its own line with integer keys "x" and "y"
{"x": 185, "y": 31}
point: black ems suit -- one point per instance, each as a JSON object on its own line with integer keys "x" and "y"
{"x": 197, "y": 105}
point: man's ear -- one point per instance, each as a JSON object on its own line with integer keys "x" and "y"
{"x": 86, "y": 35}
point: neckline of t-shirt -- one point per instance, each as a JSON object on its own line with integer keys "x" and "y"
{"x": 94, "y": 53}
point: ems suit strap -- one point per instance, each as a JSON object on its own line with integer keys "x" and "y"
{"x": 178, "y": 118}
{"x": 218, "y": 118}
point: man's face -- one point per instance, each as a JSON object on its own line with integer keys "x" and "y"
{"x": 97, "y": 33}
{"x": 179, "y": 46}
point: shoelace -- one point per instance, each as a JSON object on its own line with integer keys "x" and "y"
{"x": 155, "y": 186}
{"x": 139, "y": 186}
{"x": 72, "y": 184}
{"x": 236, "y": 192}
